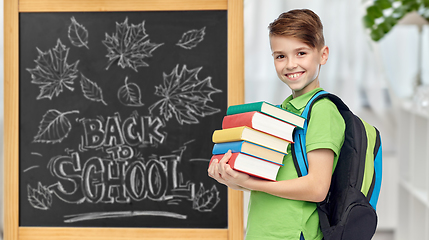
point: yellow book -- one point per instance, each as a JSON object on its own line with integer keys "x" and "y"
{"x": 251, "y": 135}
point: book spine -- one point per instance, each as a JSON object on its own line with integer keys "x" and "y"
{"x": 248, "y": 107}
{"x": 227, "y": 135}
{"x": 216, "y": 156}
{"x": 221, "y": 148}
{"x": 238, "y": 120}
{"x": 231, "y": 160}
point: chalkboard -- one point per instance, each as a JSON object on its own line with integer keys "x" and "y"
{"x": 116, "y": 113}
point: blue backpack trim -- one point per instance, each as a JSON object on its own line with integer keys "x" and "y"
{"x": 300, "y": 151}
{"x": 378, "y": 166}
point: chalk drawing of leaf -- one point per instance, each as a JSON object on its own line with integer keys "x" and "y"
{"x": 206, "y": 201}
{"x": 129, "y": 94}
{"x": 54, "y": 127}
{"x": 40, "y": 198}
{"x": 191, "y": 38}
{"x": 52, "y": 71}
{"x": 129, "y": 46}
{"x": 91, "y": 90}
{"x": 184, "y": 96}
{"x": 78, "y": 34}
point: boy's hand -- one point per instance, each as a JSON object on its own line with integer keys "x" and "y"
{"x": 230, "y": 175}
{"x": 215, "y": 170}
{"x": 222, "y": 172}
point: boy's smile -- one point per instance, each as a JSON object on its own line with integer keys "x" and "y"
{"x": 294, "y": 76}
{"x": 297, "y": 64}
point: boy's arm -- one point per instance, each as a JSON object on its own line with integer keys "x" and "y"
{"x": 313, "y": 187}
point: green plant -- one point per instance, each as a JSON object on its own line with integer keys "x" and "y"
{"x": 382, "y": 15}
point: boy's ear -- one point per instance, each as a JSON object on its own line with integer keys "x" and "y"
{"x": 324, "y": 55}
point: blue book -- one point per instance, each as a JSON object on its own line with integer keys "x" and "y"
{"x": 249, "y": 149}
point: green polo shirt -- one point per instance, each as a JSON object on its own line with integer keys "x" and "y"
{"x": 272, "y": 217}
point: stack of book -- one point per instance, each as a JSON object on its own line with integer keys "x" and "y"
{"x": 258, "y": 135}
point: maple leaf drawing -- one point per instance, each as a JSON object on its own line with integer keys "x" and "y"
{"x": 129, "y": 46}
{"x": 52, "y": 71}
{"x": 185, "y": 96}
{"x": 54, "y": 127}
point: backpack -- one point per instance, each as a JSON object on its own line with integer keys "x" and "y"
{"x": 349, "y": 210}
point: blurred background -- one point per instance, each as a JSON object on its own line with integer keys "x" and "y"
{"x": 379, "y": 65}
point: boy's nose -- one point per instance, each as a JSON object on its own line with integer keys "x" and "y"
{"x": 290, "y": 64}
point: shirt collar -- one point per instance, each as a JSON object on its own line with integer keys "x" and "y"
{"x": 297, "y": 105}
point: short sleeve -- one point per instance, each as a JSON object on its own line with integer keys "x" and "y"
{"x": 326, "y": 127}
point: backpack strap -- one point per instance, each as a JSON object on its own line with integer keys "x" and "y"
{"x": 299, "y": 151}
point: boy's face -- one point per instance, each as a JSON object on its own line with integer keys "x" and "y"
{"x": 297, "y": 64}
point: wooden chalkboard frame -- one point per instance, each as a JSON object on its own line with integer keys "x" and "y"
{"x": 12, "y": 8}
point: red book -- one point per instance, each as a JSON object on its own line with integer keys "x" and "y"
{"x": 251, "y": 165}
{"x": 260, "y": 122}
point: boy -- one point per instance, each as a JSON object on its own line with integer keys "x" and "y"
{"x": 286, "y": 209}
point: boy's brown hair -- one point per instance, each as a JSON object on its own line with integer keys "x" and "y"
{"x": 302, "y": 24}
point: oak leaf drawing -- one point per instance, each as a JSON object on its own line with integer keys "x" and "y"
{"x": 129, "y": 46}
{"x": 206, "y": 200}
{"x": 91, "y": 90}
{"x": 40, "y": 198}
{"x": 78, "y": 34}
{"x": 184, "y": 96}
{"x": 53, "y": 127}
{"x": 191, "y": 38}
{"x": 129, "y": 94}
{"x": 52, "y": 72}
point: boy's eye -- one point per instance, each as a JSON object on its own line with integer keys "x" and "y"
{"x": 301, "y": 53}
{"x": 280, "y": 56}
